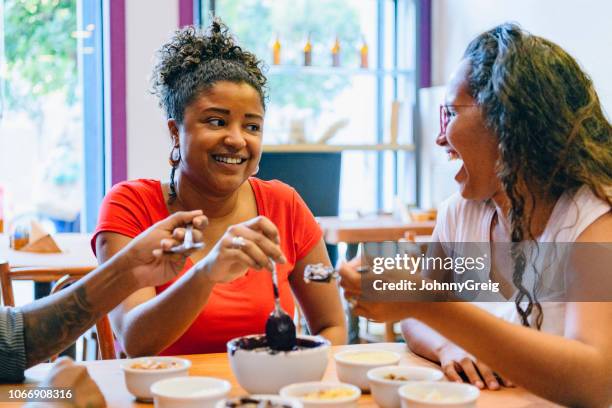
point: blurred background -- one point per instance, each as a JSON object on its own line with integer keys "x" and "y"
{"x": 352, "y": 123}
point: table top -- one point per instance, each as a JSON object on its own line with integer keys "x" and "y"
{"x": 370, "y": 229}
{"x": 109, "y": 377}
{"x": 76, "y": 252}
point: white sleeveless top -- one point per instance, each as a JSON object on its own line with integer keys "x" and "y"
{"x": 461, "y": 220}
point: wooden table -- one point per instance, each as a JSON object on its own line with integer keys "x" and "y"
{"x": 370, "y": 229}
{"x": 76, "y": 252}
{"x": 108, "y": 375}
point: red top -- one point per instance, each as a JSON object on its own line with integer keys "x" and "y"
{"x": 237, "y": 308}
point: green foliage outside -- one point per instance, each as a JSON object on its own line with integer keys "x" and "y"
{"x": 40, "y": 52}
{"x": 257, "y": 22}
{"x": 41, "y": 79}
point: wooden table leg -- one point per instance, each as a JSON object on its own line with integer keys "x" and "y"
{"x": 389, "y": 332}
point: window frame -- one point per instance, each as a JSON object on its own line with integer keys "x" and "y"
{"x": 94, "y": 163}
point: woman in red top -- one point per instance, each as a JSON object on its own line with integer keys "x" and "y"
{"x": 213, "y": 94}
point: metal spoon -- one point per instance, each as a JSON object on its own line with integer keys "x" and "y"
{"x": 280, "y": 329}
{"x": 188, "y": 243}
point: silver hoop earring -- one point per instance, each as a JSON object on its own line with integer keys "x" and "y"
{"x": 175, "y": 158}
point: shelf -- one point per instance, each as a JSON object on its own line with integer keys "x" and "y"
{"x": 320, "y": 70}
{"x": 323, "y": 148}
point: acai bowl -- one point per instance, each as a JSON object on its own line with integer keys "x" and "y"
{"x": 250, "y": 355}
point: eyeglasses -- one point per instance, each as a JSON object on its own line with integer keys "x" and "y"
{"x": 446, "y": 115}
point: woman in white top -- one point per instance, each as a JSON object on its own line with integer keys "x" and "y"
{"x": 537, "y": 167}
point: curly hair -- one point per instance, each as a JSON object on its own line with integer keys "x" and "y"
{"x": 193, "y": 61}
{"x": 553, "y": 135}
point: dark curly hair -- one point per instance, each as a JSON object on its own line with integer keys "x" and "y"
{"x": 553, "y": 135}
{"x": 193, "y": 61}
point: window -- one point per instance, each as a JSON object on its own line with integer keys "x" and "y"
{"x": 48, "y": 50}
{"x": 347, "y": 105}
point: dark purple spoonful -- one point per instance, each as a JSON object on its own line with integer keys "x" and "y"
{"x": 280, "y": 329}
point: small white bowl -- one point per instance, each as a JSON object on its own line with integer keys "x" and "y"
{"x": 275, "y": 399}
{"x": 385, "y": 391}
{"x": 430, "y": 394}
{"x": 299, "y": 390}
{"x": 259, "y": 371}
{"x": 352, "y": 366}
{"x": 139, "y": 381}
{"x": 189, "y": 392}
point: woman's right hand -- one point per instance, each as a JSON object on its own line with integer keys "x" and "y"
{"x": 454, "y": 361}
{"x": 243, "y": 246}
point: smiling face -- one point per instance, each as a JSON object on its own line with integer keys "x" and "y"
{"x": 468, "y": 139}
{"x": 221, "y": 137}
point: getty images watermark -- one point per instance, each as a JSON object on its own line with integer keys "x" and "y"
{"x": 485, "y": 272}
{"x": 414, "y": 264}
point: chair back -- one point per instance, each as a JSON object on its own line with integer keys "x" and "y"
{"x": 63, "y": 276}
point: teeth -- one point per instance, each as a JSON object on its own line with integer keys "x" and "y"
{"x": 453, "y": 156}
{"x": 229, "y": 160}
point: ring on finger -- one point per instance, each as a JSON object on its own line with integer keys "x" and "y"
{"x": 238, "y": 242}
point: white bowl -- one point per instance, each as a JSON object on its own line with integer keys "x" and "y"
{"x": 352, "y": 366}
{"x": 189, "y": 392}
{"x": 385, "y": 391}
{"x": 261, "y": 372}
{"x": 275, "y": 399}
{"x": 430, "y": 394}
{"x": 139, "y": 381}
{"x": 299, "y": 390}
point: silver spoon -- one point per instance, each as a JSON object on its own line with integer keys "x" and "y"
{"x": 280, "y": 329}
{"x": 188, "y": 243}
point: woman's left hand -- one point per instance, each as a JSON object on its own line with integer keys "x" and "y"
{"x": 251, "y": 244}
{"x": 455, "y": 361}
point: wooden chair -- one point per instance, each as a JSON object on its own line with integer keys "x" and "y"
{"x": 63, "y": 276}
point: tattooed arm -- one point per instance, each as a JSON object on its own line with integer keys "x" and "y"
{"x": 53, "y": 323}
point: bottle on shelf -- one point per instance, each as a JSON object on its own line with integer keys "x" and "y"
{"x": 336, "y": 53}
{"x": 276, "y": 51}
{"x": 363, "y": 52}
{"x": 308, "y": 52}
